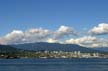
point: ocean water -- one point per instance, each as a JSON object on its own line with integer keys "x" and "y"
{"x": 76, "y": 64}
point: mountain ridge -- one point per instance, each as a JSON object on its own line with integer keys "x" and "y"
{"x": 44, "y": 46}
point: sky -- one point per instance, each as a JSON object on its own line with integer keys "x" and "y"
{"x": 70, "y": 21}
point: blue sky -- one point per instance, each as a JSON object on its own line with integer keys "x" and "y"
{"x": 51, "y": 14}
{"x": 25, "y": 14}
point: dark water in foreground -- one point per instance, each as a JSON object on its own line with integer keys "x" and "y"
{"x": 54, "y": 64}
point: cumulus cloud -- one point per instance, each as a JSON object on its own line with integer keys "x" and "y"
{"x": 13, "y": 37}
{"x": 58, "y": 36}
{"x": 50, "y": 40}
{"x": 81, "y": 40}
{"x": 36, "y": 35}
{"x": 88, "y": 41}
{"x": 100, "y": 29}
{"x": 31, "y": 35}
{"x": 64, "y": 31}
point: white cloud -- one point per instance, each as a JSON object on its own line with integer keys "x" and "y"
{"x": 36, "y": 35}
{"x": 81, "y": 40}
{"x": 88, "y": 41}
{"x": 13, "y": 37}
{"x": 50, "y": 40}
{"x": 64, "y": 31}
{"x": 58, "y": 36}
{"x": 100, "y": 29}
{"x": 32, "y": 35}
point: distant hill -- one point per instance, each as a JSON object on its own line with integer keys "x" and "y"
{"x": 42, "y": 46}
{"x": 102, "y": 49}
{"x": 8, "y": 49}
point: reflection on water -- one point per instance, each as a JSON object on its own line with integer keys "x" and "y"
{"x": 54, "y": 64}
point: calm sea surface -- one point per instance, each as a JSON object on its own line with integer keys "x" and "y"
{"x": 54, "y": 64}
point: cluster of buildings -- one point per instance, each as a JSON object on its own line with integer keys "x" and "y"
{"x": 55, "y": 54}
{"x": 75, "y": 54}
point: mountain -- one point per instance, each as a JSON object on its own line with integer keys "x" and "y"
{"x": 11, "y": 49}
{"x": 102, "y": 49}
{"x": 42, "y": 46}
{"x": 8, "y": 49}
